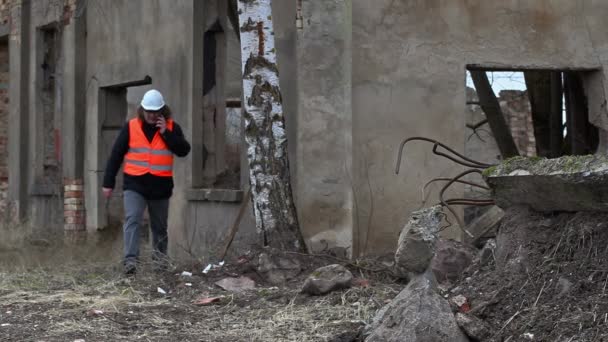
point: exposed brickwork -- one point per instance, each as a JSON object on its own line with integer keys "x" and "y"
{"x": 515, "y": 105}
{"x": 74, "y": 212}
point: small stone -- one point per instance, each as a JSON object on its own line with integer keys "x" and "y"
{"x": 486, "y": 255}
{"x": 564, "y": 286}
{"x": 327, "y": 279}
{"x": 236, "y": 284}
{"x": 474, "y": 327}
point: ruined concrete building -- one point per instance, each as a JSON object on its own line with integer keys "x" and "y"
{"x": 357, "y": 77}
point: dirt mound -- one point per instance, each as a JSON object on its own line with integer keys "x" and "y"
{"x": 548, "y": 280}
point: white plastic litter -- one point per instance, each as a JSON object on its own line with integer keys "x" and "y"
{"x": 161, "y": 291}
{"x": 188, "y": 284}
{"x": 212, "y": 266}
{"x": 186, "y": 274}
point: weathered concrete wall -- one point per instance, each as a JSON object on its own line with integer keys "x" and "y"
{"x": 408, "y": 79}
{"x": 324, "y": 157}
{"x": 4, "y": 113}
{"x": 357, "y": 77}
{"x": 36, "y": 116}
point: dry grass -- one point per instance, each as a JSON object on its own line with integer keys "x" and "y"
{"x": 55, "y": 305}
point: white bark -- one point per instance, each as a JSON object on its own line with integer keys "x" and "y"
{"x": 265, "y": 132}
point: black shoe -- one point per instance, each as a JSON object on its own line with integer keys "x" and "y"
{"x": 130, "y": 269}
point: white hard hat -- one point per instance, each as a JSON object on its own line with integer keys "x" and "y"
{"x": 152, "y": 100}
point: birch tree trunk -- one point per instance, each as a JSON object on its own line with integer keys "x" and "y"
{"x": 274, "y": 209}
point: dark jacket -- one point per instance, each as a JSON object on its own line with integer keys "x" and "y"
{"x": 150, "y": 186}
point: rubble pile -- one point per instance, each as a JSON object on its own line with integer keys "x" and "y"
{"x": 543, "y": 278}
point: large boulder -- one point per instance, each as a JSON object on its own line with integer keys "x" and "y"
{"x": 417, "y": 314}
{"x": 416, "y": 246}
{"x": 326, "y": 279}
{"x": 451, "y": 259}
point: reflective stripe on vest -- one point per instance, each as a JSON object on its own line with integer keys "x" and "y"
{"x": 147, "y": 157}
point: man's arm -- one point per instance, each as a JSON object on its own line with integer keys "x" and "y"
{"x": 176, "y": 141}
{"x": 121, "y": 147}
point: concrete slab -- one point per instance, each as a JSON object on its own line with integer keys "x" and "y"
{"x": 570, "y": 183}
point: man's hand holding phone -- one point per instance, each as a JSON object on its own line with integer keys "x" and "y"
{"x": 161, "y": 124}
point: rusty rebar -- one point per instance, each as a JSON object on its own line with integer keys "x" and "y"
{"x": 469, "y": 201}
{"x": 463, "y": 159}
{"x": 458, "y": 181}
{"x": 443, "y": 202}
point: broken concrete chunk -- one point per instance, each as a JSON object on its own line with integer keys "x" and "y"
{"x": 239, "y": 284}
{"x": 486, "y": 255}
{"x": 484, "y": 223}
{"x": 474, "y": 327}
{"x": 569, "y": 183}
{"x": 416, "y": 246}
{"x": 277, "y": 269}
{"x": 418, "y": 313}
{"x": 327, "y": 279}
{"x": 451, "y": 259}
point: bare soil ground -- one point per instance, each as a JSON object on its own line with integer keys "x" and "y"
{"x": 549, "y": 280}
{"x": 93, "y": 301}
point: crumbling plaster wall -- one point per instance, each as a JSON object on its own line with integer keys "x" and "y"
{"x": 408, "y": 79}
{"x": 34, "y": 195}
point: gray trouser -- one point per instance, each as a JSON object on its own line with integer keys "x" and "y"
{"x": 135, "y": 204}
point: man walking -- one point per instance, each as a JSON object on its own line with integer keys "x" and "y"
{"x": 147, "y": 144}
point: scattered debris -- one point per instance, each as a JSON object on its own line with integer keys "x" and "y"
{"x": 239, "y": 284}
{"x": 206, "y": 300}
{"x": 188, "y": 284}
{"x": 474, "y": 327}
{"x": 161, "y": 291}
{"x": 486, "y": 255}
{"x": 418, "y": 313}
{"x": 360, "y": 282}
{"x": 484, "y": 223}
{"x": 529, "y": 336}
{"x": 186, "y": 274}
{"x": 94, "y": 312}
{"x": 326, "y": 279}
{"x": 213, "y": 267}
{"x": 416, "y": 246}
{"x": 461, "y": 303}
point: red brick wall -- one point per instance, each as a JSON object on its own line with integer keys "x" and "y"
{"x": 516, "y": 107}
{"x": 73, "y": 205}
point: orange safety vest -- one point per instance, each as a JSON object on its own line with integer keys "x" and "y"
{"x": 148, "y": 157}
